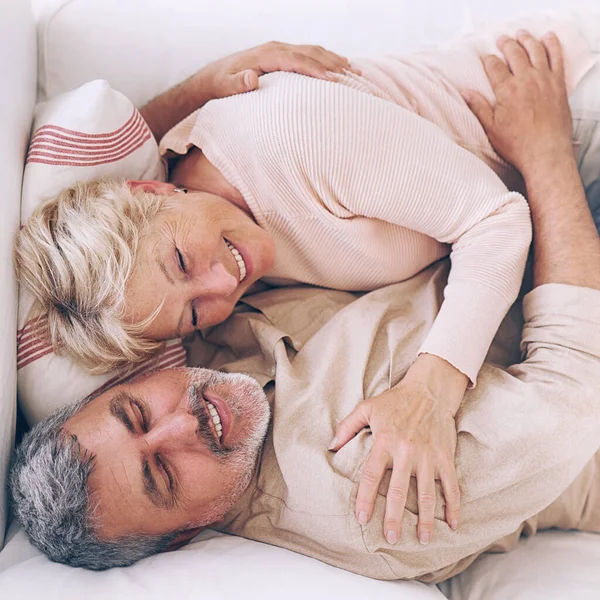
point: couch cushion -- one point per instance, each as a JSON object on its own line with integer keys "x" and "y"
{"x": 214, "y": 566}
{"x": 155, "y": 43}
{"x": 18, "y": 69}
{"x": 538, "y": 569}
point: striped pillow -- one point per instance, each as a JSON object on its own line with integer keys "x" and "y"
{"x": 88, "y": 133}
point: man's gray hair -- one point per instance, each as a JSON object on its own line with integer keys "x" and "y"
{"x": 50, "y": 498}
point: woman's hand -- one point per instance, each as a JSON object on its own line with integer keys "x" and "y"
{"x": 414, "y": 434}
{"x": 240, "y": 72}
{"x": 531, "y": 119}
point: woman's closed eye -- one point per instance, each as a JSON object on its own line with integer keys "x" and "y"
{"x": 181, "y": 261}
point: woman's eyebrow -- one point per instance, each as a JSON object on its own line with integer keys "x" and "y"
{"x": 162, "y": 266}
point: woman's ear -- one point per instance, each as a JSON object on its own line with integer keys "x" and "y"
{"x": 183, "y": 538}
{"x": 152, "y": 187}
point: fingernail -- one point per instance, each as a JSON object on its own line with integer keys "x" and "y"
{"x": 466, "y": 96}
{"x": 454, "y": 524}
{"x": 247, "y": 79}
{"x": 362, "y": 517}
{"x": 548, "y": 35}
{"x": 522, "y": 32}
{"x": 332, "y": 444}
{"x": 424, "y": 538}
{"x": 502, "y": 39}
{"x": 392, "y": 537}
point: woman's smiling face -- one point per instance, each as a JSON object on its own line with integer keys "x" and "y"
{"x": 197, "y": 258}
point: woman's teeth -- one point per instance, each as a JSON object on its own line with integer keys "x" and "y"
{"x": 215, "y": 417}
{"x": 238, "y": 257}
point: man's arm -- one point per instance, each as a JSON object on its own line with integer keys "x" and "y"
{"x": 525, "y": 433}
{"x": 530, "y": 126}
{"x": 237, "y": 74}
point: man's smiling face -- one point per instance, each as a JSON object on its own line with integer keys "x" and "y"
{"x": 173, "y": 450}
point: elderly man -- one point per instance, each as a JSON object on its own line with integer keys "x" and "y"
{"x": 140, "y": 468}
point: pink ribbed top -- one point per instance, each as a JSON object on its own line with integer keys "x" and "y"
{"x": 365, "y": 181}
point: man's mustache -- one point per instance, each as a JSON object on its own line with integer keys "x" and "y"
{"x": 199, "y": 409}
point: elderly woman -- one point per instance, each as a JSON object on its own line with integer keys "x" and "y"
{"x": 352, "y": 183}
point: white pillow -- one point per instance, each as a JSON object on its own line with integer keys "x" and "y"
{"x": 91, "y": 132}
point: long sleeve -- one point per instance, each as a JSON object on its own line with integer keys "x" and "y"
{"x": 392, "y": 165}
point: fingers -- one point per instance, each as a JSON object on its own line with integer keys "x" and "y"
{"x": 426, "y": 501}
{"x": 299, "y": 62}
{"x": 372, "y": 474}
{"x": 314, "y": 61}
{"x": 526, "y": 51}
{"x": 495, "y": 69}
{"x": 555, "y": 55}
{"x": 516, "y": 57}
{"x": 334, "y": 62}
{"x": 396, "y": 500}
{"x": 480, "y": 107}
{"x": 357, "y": 420}
{"x": 535, "y": 50}
{"x": 245, "y": 81}
{"x": 451, "y": 491}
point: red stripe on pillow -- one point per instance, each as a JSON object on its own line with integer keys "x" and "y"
{"x": 51, "y": 142}
{"x": 49, "y": 159}
{"x": 34, "y": 357}
{"x": 35, "y": 322}
{"x": 32, "y": 345}
{"x": 51, "y": 151}
{"x": 172, "y": 356}
{"x": 95, "y": 136}
{"x": 79, "y": 149}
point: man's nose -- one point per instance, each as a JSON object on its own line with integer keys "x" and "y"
{"x": 214, "y": 281}
{"x": 173, "y": 431}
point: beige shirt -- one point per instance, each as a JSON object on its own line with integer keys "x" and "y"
{"x": 524, "y": 433}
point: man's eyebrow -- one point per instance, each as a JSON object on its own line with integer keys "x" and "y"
{"x": 117, "y": 410}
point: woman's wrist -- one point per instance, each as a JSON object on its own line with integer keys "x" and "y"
{"x": 441, "y": 378}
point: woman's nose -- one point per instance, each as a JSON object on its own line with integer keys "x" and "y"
{"x": 214, "y": 281}
{"x": 173, "y": 431}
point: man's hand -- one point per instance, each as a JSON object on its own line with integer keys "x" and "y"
{"x": 240, "y": 72}
{"x": 531, "y": 120}
{"x": 531, "y": 127}
{"x": 236, "y": 74}
{"x": 414, "y": 434}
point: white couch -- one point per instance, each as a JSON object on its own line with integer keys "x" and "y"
{"x": 142, "y": 47}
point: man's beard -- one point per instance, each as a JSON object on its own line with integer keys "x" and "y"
{"x": 244, "y": 397}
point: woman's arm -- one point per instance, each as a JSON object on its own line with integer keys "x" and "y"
{"x": 413, "y": 175}
{"x": 394, "y": 166}
{"x": 236, "y": 74}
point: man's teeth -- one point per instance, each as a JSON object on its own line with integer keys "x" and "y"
{"x": 215, "y": 417}
{"x": 239, "y": 259}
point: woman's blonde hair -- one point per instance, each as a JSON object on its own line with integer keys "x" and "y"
{"x": 75, "y": 256}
